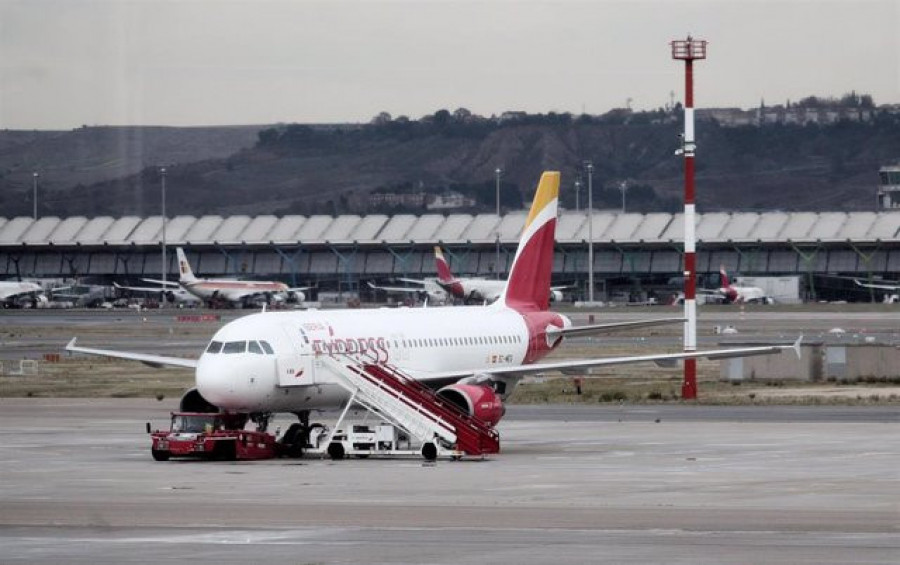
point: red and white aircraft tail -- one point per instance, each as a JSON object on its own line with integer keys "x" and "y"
{"x": 724, "y": 275}
{"x": 185, "y": 274}
{"x": 527, "y": 288}
{"x": 443, "y": 267}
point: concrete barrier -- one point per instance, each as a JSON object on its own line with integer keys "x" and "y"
{"x": 819, "y": 362}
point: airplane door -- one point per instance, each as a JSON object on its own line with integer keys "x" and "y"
{"x": 297, "y": 363}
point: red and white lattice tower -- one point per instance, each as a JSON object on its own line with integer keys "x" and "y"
{"x": 689, "y": 50}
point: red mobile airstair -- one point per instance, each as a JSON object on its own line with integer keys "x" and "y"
{"x": 414, "y": 408}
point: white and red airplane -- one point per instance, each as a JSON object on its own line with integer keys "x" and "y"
{"x": 473, "y": 355}
{"x": 737, "y": 294}
{"x": 232, "y": 291}
{"x": 474, "y": 289}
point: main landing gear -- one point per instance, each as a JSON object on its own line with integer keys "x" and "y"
{"x": 300, "y": 435}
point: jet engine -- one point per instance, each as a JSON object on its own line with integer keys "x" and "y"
{"x": 475, "y": 400}
{"x": 193, "y": 402}
{"x": 556, "y": 296}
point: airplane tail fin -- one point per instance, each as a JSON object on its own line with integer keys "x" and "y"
{"x": 725, "y": 282}
{"x": 528, "y": 285}
{"x": 443, "y": 267}
{"x": 186, "y": 275}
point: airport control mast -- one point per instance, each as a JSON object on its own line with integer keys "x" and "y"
{"x": 688, "y": 50}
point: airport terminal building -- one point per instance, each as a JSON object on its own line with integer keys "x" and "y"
{"x": 634, "y": 254}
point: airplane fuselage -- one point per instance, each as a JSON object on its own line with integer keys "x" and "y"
{"x": 743, "y": 293}
{"x": 474, "y": 289}
{"x": 238, "y": 373}
{"x": 235, "y": 291}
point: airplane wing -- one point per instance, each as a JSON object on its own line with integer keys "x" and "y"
{"x": 519, "y": 371}
{"x": 611, "y": 327}
{"x": 60, "y": 288}
{"x": 142, "y": 288}
{"x": 396, "y": 288}
{"x": 413, "y": 281}
{"x": 878, "y": 286}
{"x": 147, "y": 359}
{"x": 166, "y": 283}
{"x": 300, "y": 288}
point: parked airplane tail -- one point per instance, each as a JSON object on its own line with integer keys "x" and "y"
{"x": 443, "y": 268}
{"x": 725, "y": 281}
{"x": 186, "y": 275}
{"x": 528, "y": 285}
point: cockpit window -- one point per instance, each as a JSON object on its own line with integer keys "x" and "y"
{"x": 254, "y": 347}
{"x": 214, "y": 347}
{"x": 266, "y": 347}
{"x": 234, "y": 347}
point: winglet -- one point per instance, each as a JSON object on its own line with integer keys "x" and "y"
{"x": 71, "y": 344}
{"x": 796, "y": 347}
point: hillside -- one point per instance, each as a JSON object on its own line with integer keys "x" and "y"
{"x": 302, "y": 169}
{"x": 91, "y": 155}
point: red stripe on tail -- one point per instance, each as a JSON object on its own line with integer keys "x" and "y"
{"x": 528, "y": 287}
{"x": 443, "y": 268}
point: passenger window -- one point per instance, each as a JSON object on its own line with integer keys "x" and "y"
{"x": 234, "y": 347}
{"x": 266, "y": 347}
{"x": 214, "y": 347}
{"x": 254, "y": 347}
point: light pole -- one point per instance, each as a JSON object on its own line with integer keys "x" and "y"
{"x": 162, "y": 174}
{"x": 34, "y": 183}
{"x": 498, "y": 171}
{"x": 577, "y": 195}
{"x": 623, "y": 186}
{"x": 590, "y": 171}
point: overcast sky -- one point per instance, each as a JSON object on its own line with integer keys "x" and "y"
{"x": 64, "y": 63}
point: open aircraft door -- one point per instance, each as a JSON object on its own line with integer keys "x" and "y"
{"x": 298, "y": 364}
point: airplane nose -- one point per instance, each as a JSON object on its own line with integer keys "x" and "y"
{"x": 236, "y": 382}
{"x": 212, "y": 380}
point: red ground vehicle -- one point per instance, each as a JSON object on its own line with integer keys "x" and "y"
{"x": 211, "y": 436}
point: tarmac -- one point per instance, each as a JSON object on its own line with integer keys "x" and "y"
{"x": 572, "y": 484}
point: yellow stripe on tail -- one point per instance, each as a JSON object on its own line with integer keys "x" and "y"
{"x": 547, "y": 192}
